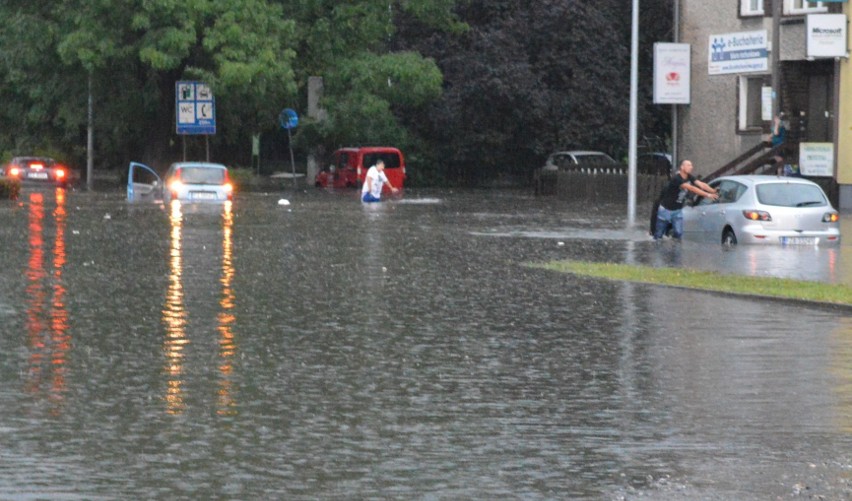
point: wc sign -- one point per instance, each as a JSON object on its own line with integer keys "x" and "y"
{"x": 195, "y": 108}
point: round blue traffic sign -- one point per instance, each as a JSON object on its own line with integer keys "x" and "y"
{"x": 288, "y": 119}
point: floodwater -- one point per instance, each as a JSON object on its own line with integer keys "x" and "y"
{"x": 324, "y": 349}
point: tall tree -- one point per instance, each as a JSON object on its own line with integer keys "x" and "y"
{"x": 528, "y": 78}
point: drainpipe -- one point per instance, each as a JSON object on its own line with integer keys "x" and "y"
{"x": 776, "y": 56}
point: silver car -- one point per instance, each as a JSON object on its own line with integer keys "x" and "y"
{"x": 566, "y": 160}
{"x": 197, "y": 182}
{"x": 763, "y": 210}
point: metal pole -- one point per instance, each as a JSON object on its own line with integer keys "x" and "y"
{"x": 776, "y": 56}
{"x": 292, "y": 161}
{"x": 634, "y": 84}
{"x": 90, "y": 139}
{"x": 676, "y": 39}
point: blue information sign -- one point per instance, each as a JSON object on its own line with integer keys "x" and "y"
{"x": 288, "y": 119}
{"x": 195, "y": 108}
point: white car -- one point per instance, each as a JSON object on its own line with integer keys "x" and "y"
{"x": 566, "y": 160}
{"x": 184, "y": 181}
{"x": 763, "y": 210}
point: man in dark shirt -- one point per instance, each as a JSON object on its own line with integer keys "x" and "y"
{"x": 670, "y": 212}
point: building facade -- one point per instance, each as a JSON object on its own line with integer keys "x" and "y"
{"x": 734, "y": 72}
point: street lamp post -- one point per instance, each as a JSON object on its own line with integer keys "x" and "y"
{"x": 90, "y": 139}
{"x": 634, "y": 83}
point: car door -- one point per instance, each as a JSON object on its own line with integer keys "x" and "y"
{"x": 714, "y": 214}
{"x": 143, "y": 184}
{"x": 700, "y": 216}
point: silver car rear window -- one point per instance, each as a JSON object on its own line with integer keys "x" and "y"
{"x": 790, "y": 195}
{"x": 202, "y": 175}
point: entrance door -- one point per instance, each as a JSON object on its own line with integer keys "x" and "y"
{"x": 820, "y": 93}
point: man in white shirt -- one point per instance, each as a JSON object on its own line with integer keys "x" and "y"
{"x": 371, "y": 191}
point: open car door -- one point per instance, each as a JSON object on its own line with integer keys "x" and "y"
{"x": 143, "y": 184}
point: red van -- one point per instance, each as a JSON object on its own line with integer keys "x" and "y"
{"x": 349, "y": 166}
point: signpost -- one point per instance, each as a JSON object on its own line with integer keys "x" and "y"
{"x": 195, "y": 108}
{"x": 738, "y": 52}
{"x": 816, "y": 159}
{"x": 289, "y": 119}
{"x": 671, "y": 73}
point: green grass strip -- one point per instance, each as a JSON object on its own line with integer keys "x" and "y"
{"x": 708, "y": 280}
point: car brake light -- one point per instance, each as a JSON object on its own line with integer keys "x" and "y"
{"x": 831, "y": 217}
{"x": 15, "y": 171}
{"x": 60, "y": 173}
{"x": 757, "y": 215}
{"x": 175, "y": 185}
{"x": 36, "y": 166}
{"x": 228, "y": 187}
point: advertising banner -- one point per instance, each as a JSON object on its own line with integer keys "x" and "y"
{"x": 816, "y": 159}
{"x": 671, "y": 73}
{"x": 826, "y": 35}
{"x": 742, "y": 52}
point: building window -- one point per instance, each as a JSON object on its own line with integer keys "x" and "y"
{"x": 803, "y": 7}
{"x": 751, "y": 7}
{"x": 750, "y": 102}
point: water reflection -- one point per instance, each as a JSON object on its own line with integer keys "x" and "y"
{"x": 174, "y": 317}
{"x": 226, "y": 318}
{"x": 400, "y": 351}
{"x": 47, "y": 318}
{"x": 176, "y": 320}
{"x": 841, "y": 367}
{"x": 800, "y": 263}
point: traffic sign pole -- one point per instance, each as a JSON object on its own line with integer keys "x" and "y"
{"x": 289, "y": 119}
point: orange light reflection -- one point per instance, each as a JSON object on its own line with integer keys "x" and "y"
{"x": 226, "y": 404}
{"x": 174, "y": 317}
{"x": 47, "y": 317}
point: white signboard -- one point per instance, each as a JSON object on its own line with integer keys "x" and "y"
{"x": 816, "y": 159}
{"x": 826, "y": 35}
{"x": 766, "y": 95}
{"x": 742, "y": 52}
{"x": 671, "y": 73}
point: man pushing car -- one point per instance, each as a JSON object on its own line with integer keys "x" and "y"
{"x": 672, "y": 198}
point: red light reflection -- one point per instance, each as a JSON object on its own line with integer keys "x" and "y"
{"x": 47, "y": 318}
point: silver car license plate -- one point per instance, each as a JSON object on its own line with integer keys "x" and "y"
{"x": 37, "y": 175}
{"x": 799, "y": 240}
{"x": 203, "y": 195}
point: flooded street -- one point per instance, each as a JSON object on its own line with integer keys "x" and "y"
{"x": 326, "y": 349}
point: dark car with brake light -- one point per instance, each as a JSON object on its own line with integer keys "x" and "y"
{"x": 42, "y": 170}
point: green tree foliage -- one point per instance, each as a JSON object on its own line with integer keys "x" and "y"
{"x": 256, "y": 55}
{"x": 530, "y": 78}
{"x": 367, "y": 81}
{"x": 471, "y": 89}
